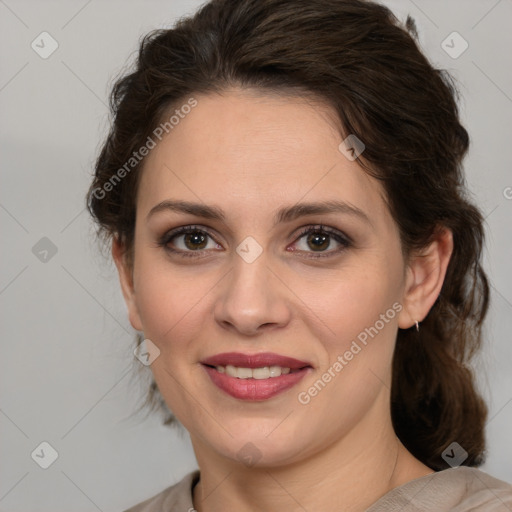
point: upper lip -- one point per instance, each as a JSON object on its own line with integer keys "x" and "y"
{"x": 254, "y": 360}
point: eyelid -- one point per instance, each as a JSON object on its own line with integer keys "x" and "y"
{"x": 325, "y": 229}
{"x": 340, "y": 237}
{"x": 166, "y": 238}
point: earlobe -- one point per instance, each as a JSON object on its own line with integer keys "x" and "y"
{"x": 125, "y": 271}
{"x": 426, "y": 272}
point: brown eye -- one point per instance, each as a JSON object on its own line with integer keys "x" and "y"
{"x": 188, "y": 241}
{"x": 194, "y": 241}
{"x": 318, "y": 239}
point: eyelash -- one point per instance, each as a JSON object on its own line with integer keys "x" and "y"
{"x": 318, "y": 229}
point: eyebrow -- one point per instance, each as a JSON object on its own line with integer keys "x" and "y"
{"x": 285, "y": 214}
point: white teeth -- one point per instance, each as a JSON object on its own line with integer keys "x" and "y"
{"x": 265, "y": 372}
{"x": 231, "y": 371}
{"x": 261, "y": 373}
{"x": 244, "y": 373}
{"x": 275, "y": 371}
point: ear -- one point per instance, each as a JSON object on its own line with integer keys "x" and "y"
{"x": 426, "y": 271}
{"x": 125, "y": 271}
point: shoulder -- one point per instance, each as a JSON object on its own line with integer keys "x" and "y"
{"x": 457, "y": 490}
{"x": 177, "y": 497}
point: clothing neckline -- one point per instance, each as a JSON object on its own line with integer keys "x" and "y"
{"x": 195, "y": 477}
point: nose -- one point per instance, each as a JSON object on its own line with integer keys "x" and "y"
{"x": 252, "y": 299}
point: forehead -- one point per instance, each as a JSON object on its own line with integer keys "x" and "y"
{"x": 252, "y": 152}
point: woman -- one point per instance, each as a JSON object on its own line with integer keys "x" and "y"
{"x": 283, "y": 188}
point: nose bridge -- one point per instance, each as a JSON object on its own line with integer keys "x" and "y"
{"x": 250, "y": 296}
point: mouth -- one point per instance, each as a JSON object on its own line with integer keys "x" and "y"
{"x": 255, "y": 377}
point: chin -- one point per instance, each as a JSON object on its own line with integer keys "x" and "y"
{"x": 254, "y": 447}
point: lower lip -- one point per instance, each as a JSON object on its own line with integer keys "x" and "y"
{"x": 254, "y": 389}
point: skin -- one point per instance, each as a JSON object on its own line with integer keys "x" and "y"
{"x": 250, "y": 153}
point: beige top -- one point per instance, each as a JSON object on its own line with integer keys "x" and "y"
{"x": 456, "y": 490}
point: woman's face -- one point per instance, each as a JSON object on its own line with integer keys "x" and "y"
{"x": 253, "y": 283}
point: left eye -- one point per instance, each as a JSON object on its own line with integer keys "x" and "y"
{"x": 318, "y": 239}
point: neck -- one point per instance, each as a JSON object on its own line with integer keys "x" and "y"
{"x": 350, "y": 474}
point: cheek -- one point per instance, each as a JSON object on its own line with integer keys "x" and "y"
{"x": 348, "y": 302}
{"x": 170, "y": 302}
{"x": 361, "y": 309}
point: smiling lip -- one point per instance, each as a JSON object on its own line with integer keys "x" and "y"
{"x": 255, "y": 389}
{"x": 254, "y": 360}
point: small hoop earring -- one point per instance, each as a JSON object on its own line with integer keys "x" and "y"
{"x": 417, "y": 326}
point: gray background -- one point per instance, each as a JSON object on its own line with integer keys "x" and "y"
{"x": 68, "y": 372}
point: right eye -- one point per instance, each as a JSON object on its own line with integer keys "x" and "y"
{"x": 187, "y": 240}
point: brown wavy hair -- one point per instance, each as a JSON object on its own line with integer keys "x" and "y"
{"x": 358, "y": 58}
